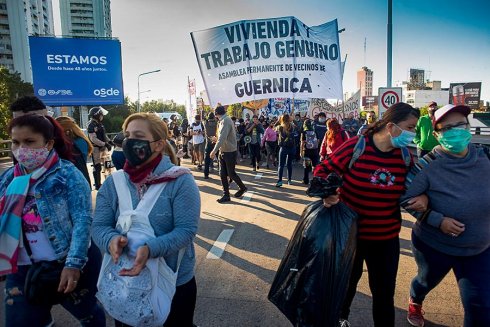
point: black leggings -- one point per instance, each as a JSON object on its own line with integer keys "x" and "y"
{"x": 382, "y": 264}
{"x": 183, "y": 305}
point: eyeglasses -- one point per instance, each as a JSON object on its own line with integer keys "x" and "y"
{"x": 455, "y": 126}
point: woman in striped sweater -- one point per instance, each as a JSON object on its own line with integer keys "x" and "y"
{"x": 372, "y": 187}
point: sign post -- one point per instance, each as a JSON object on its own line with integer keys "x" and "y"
{"x": 388, "y": 96}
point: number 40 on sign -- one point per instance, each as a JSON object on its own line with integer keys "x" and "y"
{"x": 388, "y": 96}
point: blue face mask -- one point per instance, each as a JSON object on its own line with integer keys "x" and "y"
{"x": 455, "y": 140}
{"x": 402, "y": 140}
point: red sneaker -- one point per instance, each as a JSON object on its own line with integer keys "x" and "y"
{"x": 415, "y": 315}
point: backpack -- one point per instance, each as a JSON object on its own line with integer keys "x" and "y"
{"x": 311, "y": 140}
{"x": 361, "y": 146}
{"x": 288, "y": 141}
{"x": 144, "y": 300}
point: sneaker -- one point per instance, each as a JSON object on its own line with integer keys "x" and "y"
{"x": 223, "y": 199}
{"x": 290, "y": 182}
{"x": 206, "y": 177}
{"x": 258, "y": 166}
{"x": 254, "y": 169}
{"x": 344, "y": 323}
{"x": 279, "y": 184}
{"x": 199, "y": 167}
{"x": 240, "y": 192}
{"x": 268, "y": 167}
{"x": 415, "y": 315}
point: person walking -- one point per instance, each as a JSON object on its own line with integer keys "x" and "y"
{"x": 320, "y": 127}
{"x": 100, "y": 141}
{"x": 270, "y": 142}
{"x": 46, "y": 214}
{"x": 351, "y": 125}
{"x": 370, "y": 119}
{"x": 454, "y": 232}
{"x": 373, "y": 182}
{"x": 210, "y": 130}
{"x": 184, "y": 130}
{"x": 197, "y": 130}
{"x": 424, "y": 132}
{"x": 255, "y": 130}
{"x": 175, "y": 216}
{"x": 287, "y": 148}
{"x": 309, "y": 150}
{"x": 226, "y": 144}
{"x": 333, "y": 139}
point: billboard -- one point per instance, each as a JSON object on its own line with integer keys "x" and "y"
{"x": 72, "y": 72}
{"x": 369, "y": 101}
{"x": 465, "y": 93}
{"x": 269, "y": 58}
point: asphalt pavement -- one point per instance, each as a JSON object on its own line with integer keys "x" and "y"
{"x": 240, "y": 244}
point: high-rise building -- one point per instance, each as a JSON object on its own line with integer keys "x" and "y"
{"x": 365, "y": 81}
{"x": 86, "y": 18}
{"x": 18, "y": 20}
{"x": 417, "y": 79}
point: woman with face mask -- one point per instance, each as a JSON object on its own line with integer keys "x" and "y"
{"x": 372, "y": 187}
{"x": 454, "y": 232}
{"x": 46, "y": 203}
{"x": 174, "y": 217}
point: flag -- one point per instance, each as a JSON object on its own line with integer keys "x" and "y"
{"x": 192, "y": 87}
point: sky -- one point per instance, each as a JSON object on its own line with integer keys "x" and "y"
{"x": 449, "y": 39}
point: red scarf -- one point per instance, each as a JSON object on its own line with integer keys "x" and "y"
{"x": 140, "y": 174}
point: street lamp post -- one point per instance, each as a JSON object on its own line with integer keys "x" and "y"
{"x": 153, "y": 71}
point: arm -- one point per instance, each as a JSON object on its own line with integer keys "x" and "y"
{"x": 416, "y": 140}
{"x": 105, "y": 216}
{"x": 79, "y": 202}
{"x": 323, "y": 147}
{"x": 337, "y": 162}
{"x": 417, "y": 183}
{"x": 225, "y": 130}
{"x": 95, "y": 140}
{"x": 186, "y": 207}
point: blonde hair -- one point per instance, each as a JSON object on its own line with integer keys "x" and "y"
{"x": 158, "y": 129}
{"x": 285, "y": 122}
{"x": 75, "y": 131}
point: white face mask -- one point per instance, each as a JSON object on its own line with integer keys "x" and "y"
{"x": 322, "y": 120}
{"x": 31, "y": 158}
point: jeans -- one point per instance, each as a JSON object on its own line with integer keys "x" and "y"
{"x": 382, "y": 264}
{"x": 270, "y": 147}
{"x": 182, "y": 309}
{"x": 81, "y": 303}
{"x": 286, "y": 154}
{"x": 254, "y": 153}
{"x": 207, "y": 158}
{"x": 315, "y": 159}
{"x": 472, "y": 274}
{"x": 227, "y": 163}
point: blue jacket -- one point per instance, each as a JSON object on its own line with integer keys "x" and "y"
{"x": 64, "y": 202}
{"x": 174, "y": 219}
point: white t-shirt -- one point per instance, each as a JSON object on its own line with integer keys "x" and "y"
{"x": 199, "y": 138}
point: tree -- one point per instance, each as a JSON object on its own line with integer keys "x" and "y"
{"x": 11, "y": 88}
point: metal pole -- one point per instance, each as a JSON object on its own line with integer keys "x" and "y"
{"x": 139, "y": 109}
{"x": 390, "y": 45}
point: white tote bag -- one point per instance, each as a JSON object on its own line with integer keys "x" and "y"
{"x": 142, "y": 300}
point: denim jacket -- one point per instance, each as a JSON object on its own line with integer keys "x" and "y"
{"x": 64, "y": 202}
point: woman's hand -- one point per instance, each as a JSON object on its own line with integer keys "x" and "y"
{"x": 451, "y": 227}
{"x": 68, "y": 280}
{"x": 142, "y": 256}
{"x": 116, "y": 247}
{"x": 418, "y": 203}
{"x": 331, "y": 200}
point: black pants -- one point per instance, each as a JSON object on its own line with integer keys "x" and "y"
{"x": 382, "y": 264}
{"x": 315, "y": 159}
{"x": 255, "y": 153}
{"x": 207, "y": 158}
{"x": 227, "y": 163}
{"x": 182, "y": 309}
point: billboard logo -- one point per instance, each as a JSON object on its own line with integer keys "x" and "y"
{"x": 44, "y": 92}
{"x": 103, "y": 93}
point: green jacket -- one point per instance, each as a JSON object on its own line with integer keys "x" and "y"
{"x": 424, "y": 138}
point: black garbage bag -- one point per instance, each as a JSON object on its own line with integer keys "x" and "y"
{"x": 311, "y": 282}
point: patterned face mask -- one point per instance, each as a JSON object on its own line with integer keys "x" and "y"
{"x": 31, "y": 158}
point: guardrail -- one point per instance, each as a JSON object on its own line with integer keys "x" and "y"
{"x": 480, "y": 130}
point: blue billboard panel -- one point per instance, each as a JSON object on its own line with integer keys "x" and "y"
{"x": 68, "y": 71}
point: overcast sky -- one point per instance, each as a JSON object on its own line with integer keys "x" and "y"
{"x": 449, "y": 39}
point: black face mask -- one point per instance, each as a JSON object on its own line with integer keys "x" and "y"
{"x": 136, "y": 151}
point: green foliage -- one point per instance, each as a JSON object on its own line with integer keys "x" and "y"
{"x": 158, "y": 106}
{"x": 424, "y": 111}
{"x": 11, "y": 88}
{"x": 114, "y": 120}
{"x": 235, "y": 110}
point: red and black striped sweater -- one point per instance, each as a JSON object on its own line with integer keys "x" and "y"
{"x": 372, "y": 187}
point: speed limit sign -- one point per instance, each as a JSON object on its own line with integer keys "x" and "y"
{"x": 388, "y": 96}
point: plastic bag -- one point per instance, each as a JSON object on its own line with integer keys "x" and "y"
{"x": 310, "y": 285}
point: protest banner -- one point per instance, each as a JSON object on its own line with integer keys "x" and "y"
{"x": 338, "y": 111}
{"x": 269, "y": 58}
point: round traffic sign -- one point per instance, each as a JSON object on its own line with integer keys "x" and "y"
{"x": 389, "y": 98}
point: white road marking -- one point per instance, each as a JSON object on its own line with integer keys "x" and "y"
{"x": 258, "y": 176}
{"x": 247, "y": 197}
{"x": 219, "y": 246}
